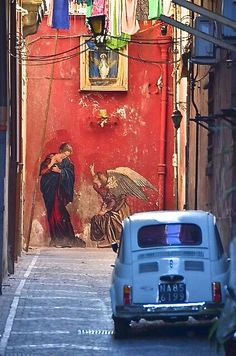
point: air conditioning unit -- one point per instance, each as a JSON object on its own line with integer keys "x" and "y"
{"x": 229, "y": 10}
{"x": 205, "y": 52}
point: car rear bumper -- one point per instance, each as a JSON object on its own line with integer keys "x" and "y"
{"x": 164, "y": 311}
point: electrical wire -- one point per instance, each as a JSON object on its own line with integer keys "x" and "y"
{"x": 23, "y": 62}
{"x": 142, "y": 59}
{"x": 141, "y": 41}
{"x": 148, "y": 41}
{"x": 57, "y": 60}
{"x": 60, "y": 53}
{"x": 204, "y": 76}
{"x": 59, "y": 57}
{"x": 49, "y": 59}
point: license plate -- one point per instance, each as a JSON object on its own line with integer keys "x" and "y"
{"x": 172, "y": 292}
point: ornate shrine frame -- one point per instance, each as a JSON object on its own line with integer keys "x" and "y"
{"x": 102, "y": 69}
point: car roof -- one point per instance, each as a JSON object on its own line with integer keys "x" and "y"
{"x": 172, "y": 216}
{"x": 205, "y": 220}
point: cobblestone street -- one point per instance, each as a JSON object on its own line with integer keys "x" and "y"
{"x": 57, "y": 303}
{"x": 58, "y": 298}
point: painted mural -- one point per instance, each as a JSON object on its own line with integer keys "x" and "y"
{"x": 57, "y": 187}
{"x": 130, "y": 129}
{"x": 114, "y": 186}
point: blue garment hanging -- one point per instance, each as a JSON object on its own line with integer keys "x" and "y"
{"x": 60, "y": 17}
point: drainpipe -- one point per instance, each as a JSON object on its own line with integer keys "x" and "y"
{"x": 19, "y": 185}
{"x": 13, "y": 144}
{"x": 196, "y": 139}
{"x": 3, "y": 131}
{"x": 188, "y": 115}
{"x": 161, "y": 168}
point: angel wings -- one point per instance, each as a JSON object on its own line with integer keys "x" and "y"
{"x": 125, "y": 181}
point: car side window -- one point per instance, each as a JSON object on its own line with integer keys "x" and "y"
{"x": 120, "y": 254}
{"x": 220, "y": 249}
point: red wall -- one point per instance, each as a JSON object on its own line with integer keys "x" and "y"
{"x": 57, "y": 111}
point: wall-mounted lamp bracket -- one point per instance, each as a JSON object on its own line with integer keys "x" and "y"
{"x": 201, "y": 120}
{"x": 228, "y": 115}
{"x": 97, "y": 26}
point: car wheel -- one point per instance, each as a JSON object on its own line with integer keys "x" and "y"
{"x": 230, "y": 347}
{"x": 121, "y": 328}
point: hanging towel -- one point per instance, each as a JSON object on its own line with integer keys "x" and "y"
{"x": 115, "y": 40}
{"x": 155, "y": 9}
{"x": 99, "y": 7}
{"x": 50, "y": 12}
{"x": 118, "y": 43}
{"x": 58, "y": 16}
{"x": 142, "y": 10}
{"x": 89, "y": 9}
{"x": 115, "y": 18}
{"x": 129, "y": 23}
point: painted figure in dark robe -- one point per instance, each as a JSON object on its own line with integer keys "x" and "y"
{"x": 114, "y": 186}
{"x": 57, "y": 187}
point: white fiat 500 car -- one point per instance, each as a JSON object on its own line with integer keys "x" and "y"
{"x": 170, "y": 265}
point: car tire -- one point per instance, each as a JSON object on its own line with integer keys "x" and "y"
{"x": 230, "y": 347}
{"x": 121, "y": 328}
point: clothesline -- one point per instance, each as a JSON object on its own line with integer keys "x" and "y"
{"x": 122, "y": 16}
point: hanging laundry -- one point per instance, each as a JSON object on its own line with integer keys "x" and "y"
{"x": 115, "y": 18}
{"x": 116, "y": 38}
{"x": 155, "y": 9}
{"x": 89, "y": 8}
{"x": 118, "y": 43}
{"x": 100, "y": 7}
{"x": 142, "y": 10}
{"x": 58, "y": 14}
{"x": 129, "y": 23}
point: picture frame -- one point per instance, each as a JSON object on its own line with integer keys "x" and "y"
{"x": 101, "y": 68}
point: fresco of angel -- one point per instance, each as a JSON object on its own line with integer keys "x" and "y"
{"x": 113, "y": 187}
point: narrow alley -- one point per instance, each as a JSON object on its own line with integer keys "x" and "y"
{"x": 110, "y": 109}
{"x": 57, "y": 303}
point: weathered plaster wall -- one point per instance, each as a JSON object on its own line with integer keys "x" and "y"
{"x": 58, "y": 111}
{"x": 214, "y": 189}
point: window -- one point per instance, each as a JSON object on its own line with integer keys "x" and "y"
{"x": 169, "y": 235}
{"x": 220, "y": 249}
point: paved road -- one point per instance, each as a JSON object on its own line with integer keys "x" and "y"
{"x": 57, "y": 303}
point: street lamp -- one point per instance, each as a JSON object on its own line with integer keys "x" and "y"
{"x": 176, "y": 118}
{"x": 97, "y": 26}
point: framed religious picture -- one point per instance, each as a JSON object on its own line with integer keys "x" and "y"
{"x": 101, "y": 68}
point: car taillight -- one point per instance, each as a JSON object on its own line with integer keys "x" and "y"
{"x": 127, "y": 294}
{"x": 216, "y": 292}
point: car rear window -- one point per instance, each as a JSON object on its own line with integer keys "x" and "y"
{"x": 169, "y": 235}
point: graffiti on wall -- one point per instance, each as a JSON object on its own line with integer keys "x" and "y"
{"x": 113, "y": 187}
